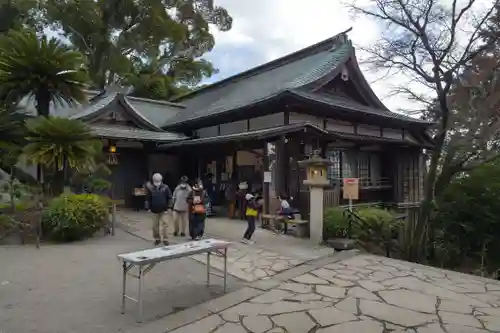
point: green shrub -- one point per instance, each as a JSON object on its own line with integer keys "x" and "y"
{"x": 98, "y": 185}
{"x": 19, "y": 205}
{"x": 335, "y": 223}
{"x": 74, "y": 217}
{"x": 378, "y": 226}
{"x": 7, "y": 223}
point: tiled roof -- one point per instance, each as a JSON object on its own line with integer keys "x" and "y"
{"x": 150, "y": 112}
{"x": 350, "y": 105}
{"x": 132, "y": 133}
{"x": 251, "y": 135}
{"x": 157, "y": 112}
{"x": 266, "y": 81}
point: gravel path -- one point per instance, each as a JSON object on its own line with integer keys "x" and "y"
{"x": 76, "y": 287}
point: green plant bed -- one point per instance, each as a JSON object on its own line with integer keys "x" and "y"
{"x": 5, "y": 207}
{"x": 7, "y": 224}
{"x": 335, "y": 224}
{"x": 20, "y": 227}
{"x": 375, "y": 229}
{"x": 75, "y": 217}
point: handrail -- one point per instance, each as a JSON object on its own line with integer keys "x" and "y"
{"x": 351, "y": 216}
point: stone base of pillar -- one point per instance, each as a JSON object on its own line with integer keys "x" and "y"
{"x": 316, "y": 214}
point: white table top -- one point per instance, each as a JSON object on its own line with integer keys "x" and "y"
{"x": 170, "y": 252}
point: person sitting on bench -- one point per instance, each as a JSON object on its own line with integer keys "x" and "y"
{"x": 285, "y": 211}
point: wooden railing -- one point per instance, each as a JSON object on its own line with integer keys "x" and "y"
{"x": 331, "y": 198}
{"x": 368, "y": 183}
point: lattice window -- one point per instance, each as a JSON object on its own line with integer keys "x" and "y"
{"x": 349, "y": 164}
{"x": 364, "y": 169}
{"x": 333, "y": 171}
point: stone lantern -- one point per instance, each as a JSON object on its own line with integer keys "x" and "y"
{"x": 316, "y": 179}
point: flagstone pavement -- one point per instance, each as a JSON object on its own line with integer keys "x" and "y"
{"x": 297, "y": 287}
{"x": 273, "y": 253}
{"x": 363, "y": 293}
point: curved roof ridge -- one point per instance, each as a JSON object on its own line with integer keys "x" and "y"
{"x": 338, "y": 55}
{"x": 139, "y": 115}
{"x": 154, "y": 101}
{"x": 91, "y": 109}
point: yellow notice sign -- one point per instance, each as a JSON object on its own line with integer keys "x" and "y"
{"x": 351, "y": 188}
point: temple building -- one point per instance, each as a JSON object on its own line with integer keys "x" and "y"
{"x": 259, "y": 123}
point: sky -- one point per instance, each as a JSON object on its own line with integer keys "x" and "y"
{"x": 264, "y": 30}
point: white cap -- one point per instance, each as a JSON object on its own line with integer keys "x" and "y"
{"x": 248, "y": 196}
{"x": 157, "y": 178}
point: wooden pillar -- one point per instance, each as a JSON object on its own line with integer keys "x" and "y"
{"x": 265, "y": 185}
{"x": 235, "y": 163}
{"x": 294, "y": 155}
{"x": 281, "y": 166}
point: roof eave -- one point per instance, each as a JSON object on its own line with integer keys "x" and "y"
{"x": 193, "y": 123}
{"x": 416, "y": 122}
{"x": 280, "y": 131}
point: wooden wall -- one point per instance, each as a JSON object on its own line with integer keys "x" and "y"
{"x": 268, "y": 121}
{"x": 409, "y": 176}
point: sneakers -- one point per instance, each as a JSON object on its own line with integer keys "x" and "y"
{"x": 157, "y": 242}
{"x": 176, "y": 234}
{"x": 183, "y": 234}
{"x": 166, "y": 243}
{"x": 244, "y": 241}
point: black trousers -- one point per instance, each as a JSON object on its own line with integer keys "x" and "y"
{"x": 251, "y": 227}
{"x": 197, "y": 225}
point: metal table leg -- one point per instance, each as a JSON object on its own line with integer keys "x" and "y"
{"x": 124, "y": 285}
{"x": 208, "y": 268}
{"x": 225, "y": 269}
{"x": 139, "y": 296}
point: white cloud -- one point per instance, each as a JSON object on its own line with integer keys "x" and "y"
{"x": 273, "y": 28}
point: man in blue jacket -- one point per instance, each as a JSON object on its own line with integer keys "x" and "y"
{"x": 159, "y": 202}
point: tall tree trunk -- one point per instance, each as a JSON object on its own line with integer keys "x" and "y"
{"x": 43, "y": 102}
{"x": 416, "y": 247}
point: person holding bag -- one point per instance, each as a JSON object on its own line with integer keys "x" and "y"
{"x": 197, "y": 203}
{"x": 251, "y": 213}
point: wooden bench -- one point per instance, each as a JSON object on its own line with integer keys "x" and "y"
{"x": 302, "y": 230}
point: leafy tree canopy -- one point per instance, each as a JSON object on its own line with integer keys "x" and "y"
{"x": 42, "y": 68}
{"x": 122, "y": 38}
{"x": 14, "y": 14}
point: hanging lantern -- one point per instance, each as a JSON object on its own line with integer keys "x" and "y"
{"x": 112, "y": 158}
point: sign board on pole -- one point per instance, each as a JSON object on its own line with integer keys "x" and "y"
{"x": 351, "y": 188}
{"x": 267, "y": 177}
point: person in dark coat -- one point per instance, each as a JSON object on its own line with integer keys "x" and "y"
{"x": 159, "y": 202}
{"x": 197, "y": 201}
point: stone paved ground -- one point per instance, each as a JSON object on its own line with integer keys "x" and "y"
{"x": 272, "y": 253}
{"x": 361, "y": 294}
{"x": 75, "y": 288}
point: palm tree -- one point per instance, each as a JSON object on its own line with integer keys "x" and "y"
{"x": 61, "y": 144}
{"x": 44, "y": 69}
{"x": 12, "y": 131}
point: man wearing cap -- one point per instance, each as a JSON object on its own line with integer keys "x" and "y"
{"x": 159, "y": 201}
{"x": 181, "y": 207}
